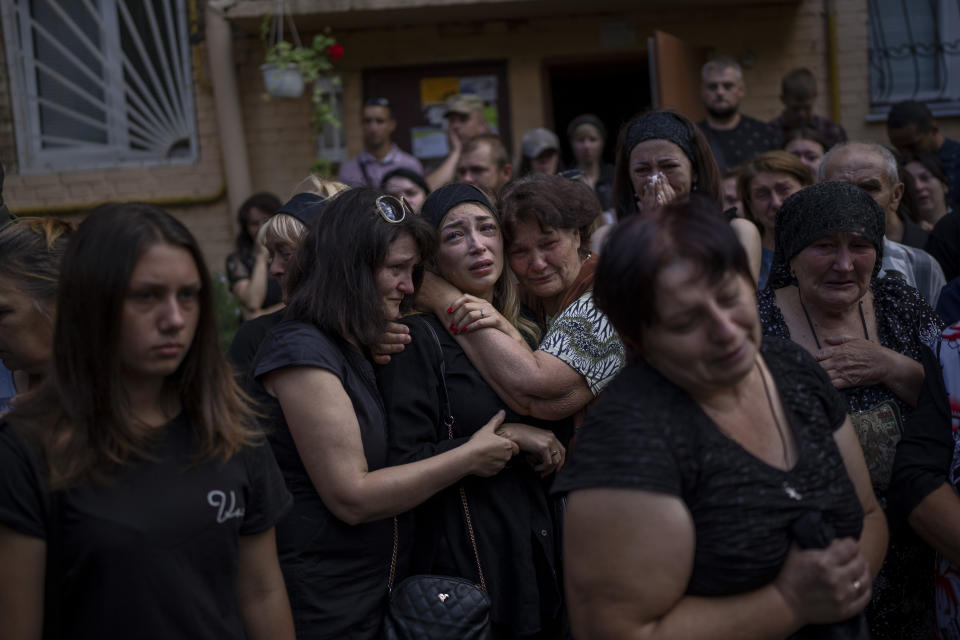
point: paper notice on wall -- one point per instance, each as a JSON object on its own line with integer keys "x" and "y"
{"x": 429, "y": 142}
{"x": 436, "y": 90}
{"x": 483, "y": 86}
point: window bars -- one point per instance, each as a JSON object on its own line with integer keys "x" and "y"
{"x": 914, "y": 53}
{"x": 100, "y": 83}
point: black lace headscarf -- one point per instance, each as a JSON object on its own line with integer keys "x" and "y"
{"x": 822, "y": 210}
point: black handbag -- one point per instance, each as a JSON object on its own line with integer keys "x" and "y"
{"x": 429, "y": 607}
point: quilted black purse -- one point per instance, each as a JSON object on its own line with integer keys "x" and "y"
{"x": 428, "y": 607}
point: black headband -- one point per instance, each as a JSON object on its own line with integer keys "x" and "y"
{"x": 448, "y": 196}
{"x": 305, "y": 207}
{"x": 659, "y": 125}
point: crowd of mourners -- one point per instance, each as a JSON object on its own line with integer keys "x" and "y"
{"x": 711, "y": 390}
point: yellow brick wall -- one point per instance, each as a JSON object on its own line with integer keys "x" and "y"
{"x": 280, "y": 139}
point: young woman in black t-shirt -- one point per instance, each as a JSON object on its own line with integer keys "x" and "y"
{"x": 136, "y": 500}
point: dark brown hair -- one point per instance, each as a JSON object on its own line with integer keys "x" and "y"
{"x": 332, "y": 280}
{"x": 639, "y": 247}
{"x": 266, "y": 202}
{"x": 804, "y": 133}
{"x": 799, "y": 83}
{"x": 81, "y": 414}
{"x": 550, "y": 201}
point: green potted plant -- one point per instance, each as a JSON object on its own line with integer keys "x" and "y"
{"x": 289, "y": 66}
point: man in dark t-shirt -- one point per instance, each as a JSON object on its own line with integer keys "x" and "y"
{"x": 733, "y": 136}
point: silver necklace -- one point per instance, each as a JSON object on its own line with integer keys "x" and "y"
{"x": 792, "y": 493}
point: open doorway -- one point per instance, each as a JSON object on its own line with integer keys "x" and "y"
{"x": 613, "y": 89}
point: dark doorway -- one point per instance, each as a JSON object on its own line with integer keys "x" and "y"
{"x": 613, "y": 89}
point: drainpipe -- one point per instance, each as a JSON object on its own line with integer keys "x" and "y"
{"x": 233, "y": 143}
{"x": 830, "y": 11}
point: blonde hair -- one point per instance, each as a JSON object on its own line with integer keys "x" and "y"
{"x": 319, "y": 186}
{"x": 282, "y": 228}
{"x": 506, "y": 297}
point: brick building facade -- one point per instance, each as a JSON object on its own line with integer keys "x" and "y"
{"x": 769, "y": 37}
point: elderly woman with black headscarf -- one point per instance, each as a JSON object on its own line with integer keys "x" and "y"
{"x": 663, "y": 156}
{"x": 867, "y": 333}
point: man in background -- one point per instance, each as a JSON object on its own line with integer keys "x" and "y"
{"x": 733, "y": 136}
{"x": 484, "y": 163}
{"x": 465, "y": 119}
{"x": 798, "y": 92}
{"x": 380, "y": 155}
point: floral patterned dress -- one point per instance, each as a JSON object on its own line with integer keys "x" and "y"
{"x": 902, "y": 604}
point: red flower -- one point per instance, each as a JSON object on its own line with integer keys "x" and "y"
{"x": 335, "y": 51}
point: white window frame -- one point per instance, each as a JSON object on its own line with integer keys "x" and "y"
{"x": 172, "y": 117}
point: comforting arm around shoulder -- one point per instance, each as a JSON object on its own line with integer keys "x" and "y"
{"x": 22, "y": 566}
{"x": 533, "y": 383}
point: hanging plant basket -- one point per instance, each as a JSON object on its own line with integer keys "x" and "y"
{"x": 283, "y": 81}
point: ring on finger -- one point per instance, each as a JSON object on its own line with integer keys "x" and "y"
{"x": 482, "y": 314}
{"x": 856, "y": 586}
{"x": 554, "y": 453}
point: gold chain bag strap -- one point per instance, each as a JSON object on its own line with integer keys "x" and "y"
{"x": 429, "y": 607}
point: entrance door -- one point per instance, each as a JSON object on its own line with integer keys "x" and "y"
{"x": 675, "y": 75}
{"x": 613, "y": 89}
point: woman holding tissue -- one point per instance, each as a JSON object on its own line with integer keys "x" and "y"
{"x": 663, "y": 156}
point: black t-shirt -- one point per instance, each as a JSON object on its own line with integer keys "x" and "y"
{"x": 735, "y": 146}
{"x": 240, "y": 267}
{"x": 943, "y": 243}
{"x": 153, "y": 552}
{"x": 336, "y": 574}
{"x": 249, "y": 337}
{"x": 644, "y": 432}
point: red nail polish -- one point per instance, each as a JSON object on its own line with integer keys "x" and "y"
{"x": 464, "y": 330}
{"x": 456, "y": 331}
{"x": 452, "y": 328}
{"x": 449, "y": 309}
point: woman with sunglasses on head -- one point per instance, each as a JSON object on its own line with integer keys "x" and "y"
{"x": 328, "y": 426}
{"x": 514, "y": 526}
{"x": 136, "y": 497}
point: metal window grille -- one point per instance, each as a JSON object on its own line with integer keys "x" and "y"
{"x": 914, "y": 54}
{"x": 99, "y": 83}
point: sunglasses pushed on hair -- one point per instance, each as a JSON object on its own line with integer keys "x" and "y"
{"x": 392, "y": 209}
